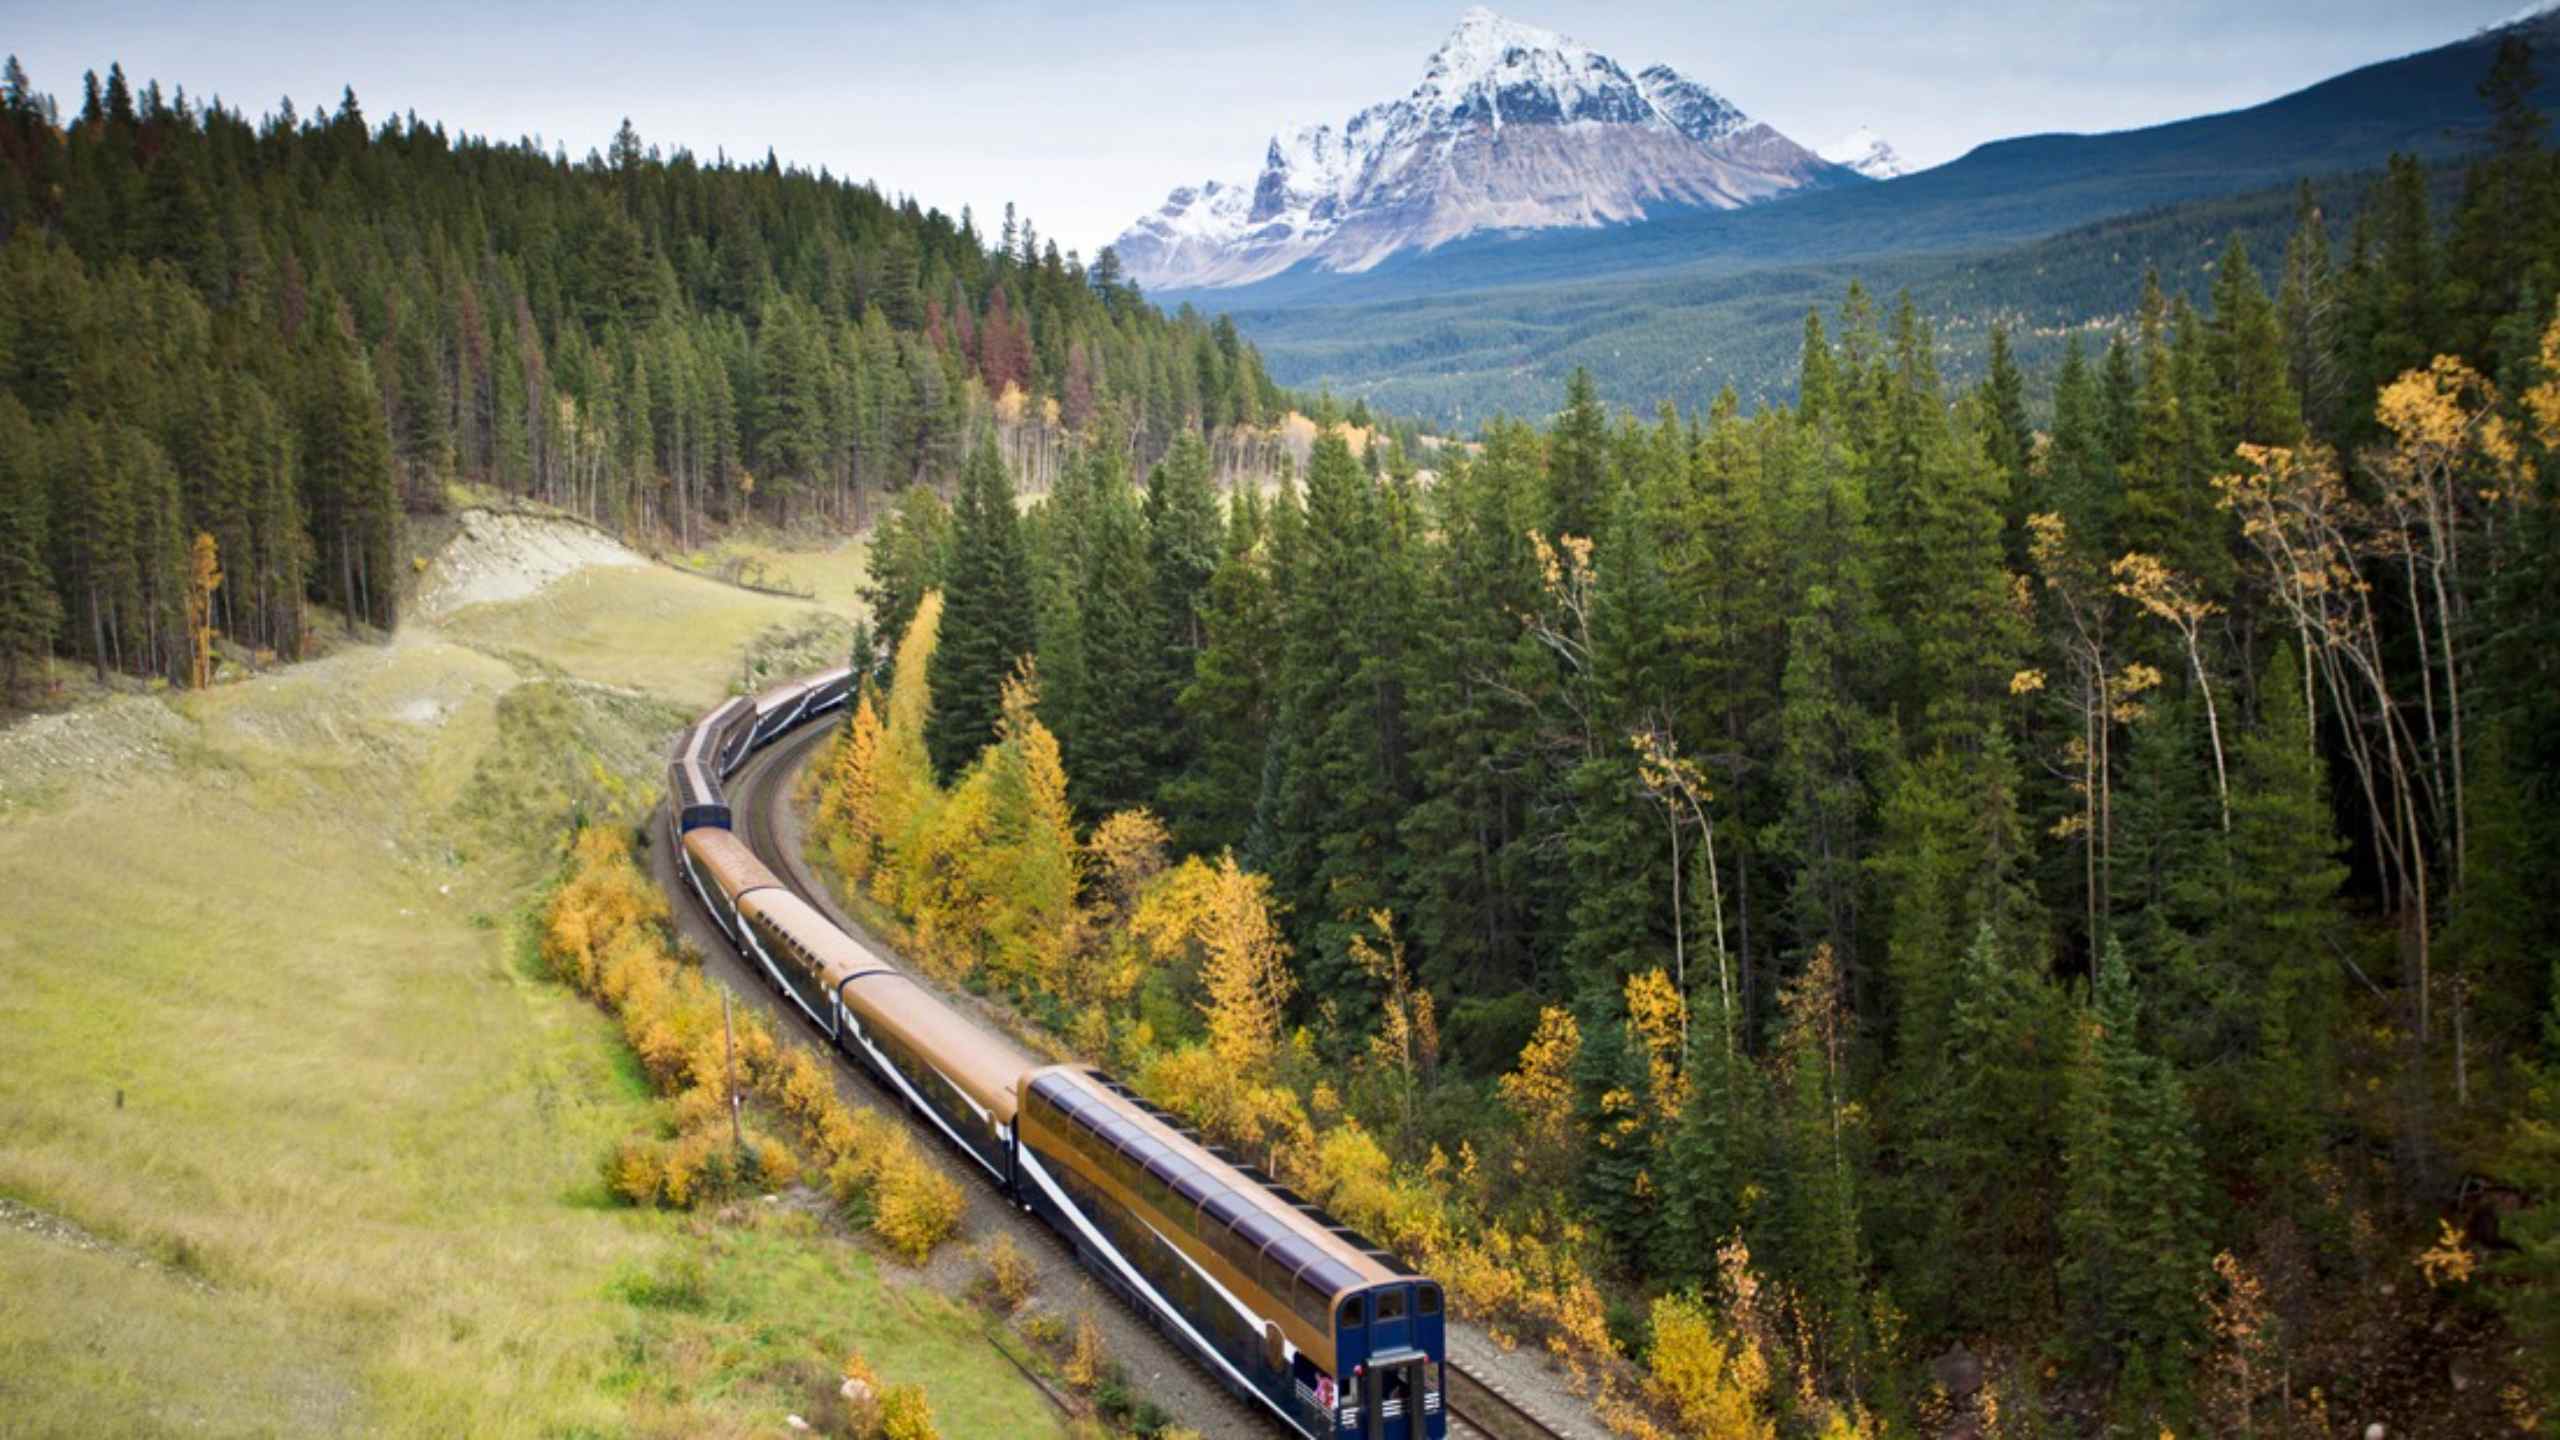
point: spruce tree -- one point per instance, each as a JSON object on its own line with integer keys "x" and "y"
{"x": 1184, "y": 540}
{"x": 986, "y": 616}
{"x": 1226, "y": 704}
{"x": 2131, "y": 1222}
{"x": 29, "y": 613}
{"x": 2281, "y": 931}
{"x": 2258, "y": 406}
{"x": 1578, "y": 478}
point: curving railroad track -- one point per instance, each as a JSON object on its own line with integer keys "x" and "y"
{"x": 760, "y": 793}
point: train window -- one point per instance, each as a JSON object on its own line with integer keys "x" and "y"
{"x": 1355, "y": 1312}
{"x": 1391, "y": 1304}
{"x": 1426, "y": 1299}
{"x": 1310, "y": 1305}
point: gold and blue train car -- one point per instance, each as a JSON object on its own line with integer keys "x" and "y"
{"x": 1290, "y": 1308}
{"x": 724, "y": 873}
{"x": 954, "y": 1073}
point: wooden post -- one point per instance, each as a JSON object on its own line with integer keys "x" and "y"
{"x": 729, "y": 1062}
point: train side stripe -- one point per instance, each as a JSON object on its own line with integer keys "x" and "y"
{"x": 1030, "y": 1162}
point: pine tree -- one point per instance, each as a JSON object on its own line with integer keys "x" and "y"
{"x": 2007, "y": 439}
{"x": 2248, "y": 353}
{"x": 29, "y": 613}
{"x": 911, "y": 553}
{"x": 1111, "y": 726}
{"x": 986, "y": 624}
{"x": 1184, "y": 539}
{"x": 1226, "y": 705}
{"x": 2280, "y": 932}
{"x": 2308, "y": 310}
{"x": 1578, "y": 479}
{"x": 1471, "y": 837}
{"x": 1984, "y": 1146}
{"x": 2131, "y": 1226}
{"x": 2079, "y": 481}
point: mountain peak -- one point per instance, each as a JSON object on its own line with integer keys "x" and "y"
{"x": 1866, "y": 152}
{"x": 1511, "y": 128}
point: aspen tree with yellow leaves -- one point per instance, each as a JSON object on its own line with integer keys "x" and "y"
{"x": 203, "y": 578}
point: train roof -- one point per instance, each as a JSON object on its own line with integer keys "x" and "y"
{"x": 985, "y": 1066}
{"x": 692, "y": 744}
{"x": 834, "y": 955}
{"x": 732, "y": 866}
{"x": 781, "y": 695}
{"x": 1348, "y": 1259}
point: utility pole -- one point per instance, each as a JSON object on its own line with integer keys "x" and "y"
{"x": 729, "y": 1063}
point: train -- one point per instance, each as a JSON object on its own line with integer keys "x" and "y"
{"x": 1288, "y": 1308}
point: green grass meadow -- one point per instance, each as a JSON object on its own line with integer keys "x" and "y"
{"x": 299, "y": 1141}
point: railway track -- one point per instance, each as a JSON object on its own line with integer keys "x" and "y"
{"x": 1474, "y": 1408}
{"x": 1483, "y": 1410}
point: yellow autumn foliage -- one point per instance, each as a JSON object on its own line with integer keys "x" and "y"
{"x": 849, "y": 804}
{"x": 1540, "y": 1090}
{"x": 905, "y": 1414}
{"x": 1717, "y": 1384}
{"x": 605, "y": 934}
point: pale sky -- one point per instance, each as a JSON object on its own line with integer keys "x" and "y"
{"x": 1086, "y": 115}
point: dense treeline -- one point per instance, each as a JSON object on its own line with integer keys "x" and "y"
{"x": 1686, "y": 338}
{"x": 288, "y": 333}
{"x": 2069, "y": 890}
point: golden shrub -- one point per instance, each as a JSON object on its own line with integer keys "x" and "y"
{"x": 775, "y": 1164}
{"x": 635, "y": 1172}
{"x": 915, "y": 1206}
{"x": 1084, "y": 1362}
{"x": 1009, "y": 1271}
{"x": 905, "y": 1414}
{"x": 1715, "y": 1384}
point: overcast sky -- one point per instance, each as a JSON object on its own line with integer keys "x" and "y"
{"x": 1086, "y": 115}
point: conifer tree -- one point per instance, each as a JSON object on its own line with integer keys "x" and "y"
{"x": 2007, "y": 438}
{"x": 1110, "y": 726}
{"x": 986, "y": 623}
{"x": 1226, "y": 704}
{"x": 2131, "y": 1227}
{"x": 2079, "y": 475}
{"x": 29, "y": 613}
{"x": 2280, "y": 931}
{"x": 2248, "y": 353}
{"x": 911, "y": 553}
{"x": 1578, "y": 479}
{"x": 1184, "y": 539}
{"x": 1984, "y": 1146}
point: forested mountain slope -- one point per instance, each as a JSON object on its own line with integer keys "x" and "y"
{"x": 285, "y": 333}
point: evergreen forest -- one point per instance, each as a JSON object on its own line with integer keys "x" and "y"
{"x": 290, "y": 334}
{"x": 1843, "y": 901}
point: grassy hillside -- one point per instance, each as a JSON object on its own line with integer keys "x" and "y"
{"x": 293, "y": 1137}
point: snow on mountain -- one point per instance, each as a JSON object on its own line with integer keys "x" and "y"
{"x": 1511, "y": 128}
{"x": 1866, "y": 152}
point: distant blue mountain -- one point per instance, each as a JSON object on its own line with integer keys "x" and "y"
{"x": 1994, "y": 198}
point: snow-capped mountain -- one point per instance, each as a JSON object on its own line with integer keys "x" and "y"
{"x": 1866, "y": 152}
{"x": 1512, "y": 128}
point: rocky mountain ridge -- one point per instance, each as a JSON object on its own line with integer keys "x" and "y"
{"x": 1511, "y": 128}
